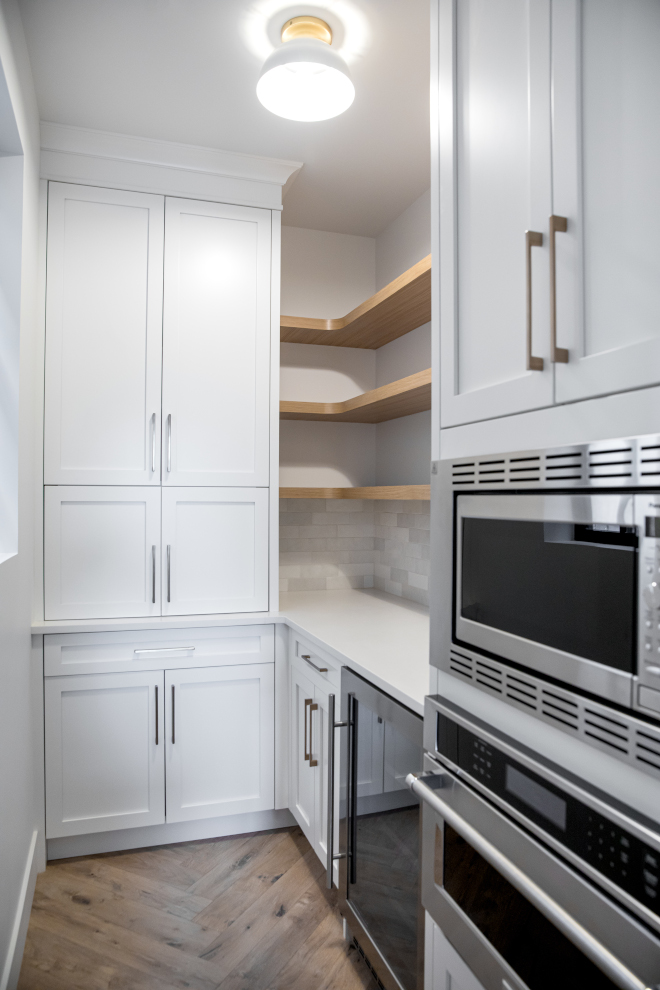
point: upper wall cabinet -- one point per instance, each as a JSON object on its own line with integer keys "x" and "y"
{"x": 548, "y": 157}
{"x": 216, "y": 340}
{"x": 104, "y": 332}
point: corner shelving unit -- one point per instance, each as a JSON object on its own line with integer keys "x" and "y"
{"x": 395, "y": 310}
{"x": 398, "y": 308}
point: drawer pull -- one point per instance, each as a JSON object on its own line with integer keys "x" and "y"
{"x": 308, "y": 702}
{"x": 173, "y": 736}
{"x": 156, "y": 714}
{"x": 320, "y": 670}
{"x": 166, "y": 649}
{"x": 312, "y": 708}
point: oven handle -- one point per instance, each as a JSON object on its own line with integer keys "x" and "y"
{"x": 579, "y": 936}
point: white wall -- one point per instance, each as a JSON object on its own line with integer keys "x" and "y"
{"x": 325, "y": 275}
{"x": 21, "y": 752}
{"x": 405, "y": 241}
{"x": 316, "y": 373}
{"x": 403, "y": 450}
{"x": 327, "y": 455}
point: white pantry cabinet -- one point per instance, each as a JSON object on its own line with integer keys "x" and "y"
{"x": 219, "y": 756}
{"x": 101, "y": 552}
{"x": 303, "y": 797}
{"x": 549, "y": 267}
{"x": 104, "y": 334}
{"x": 216, "y": 344}
{"x": 104, "y": 739}
{"x": 215, "y": 550}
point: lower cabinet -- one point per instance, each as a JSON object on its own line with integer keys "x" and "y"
{"x": 142, "y": 748}
{"x": 444, "y": 968}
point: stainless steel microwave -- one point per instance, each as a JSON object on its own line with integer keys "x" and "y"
{"x": 551, "y": 562}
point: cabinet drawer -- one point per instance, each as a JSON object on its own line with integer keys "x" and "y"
{"x": 83, "y": 653}
{"x": 319, "y": 666}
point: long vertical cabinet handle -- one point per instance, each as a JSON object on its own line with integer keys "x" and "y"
{"x": 352, "y": 788}
{"x": 169, "y": 571}
{"x": 156, "y": 714}
{"x": 330, "y": 804}
{"x": 532, "y": 239}
{"x": 153, "y": 575}
{"x": 173, "y": 735}
{"x": 312, "y": 708}
{"x": 153, "y": 443}
{"x": 558, "y": 355}
{"x": 308, "y": 702}
{"x": 169, "y": 442}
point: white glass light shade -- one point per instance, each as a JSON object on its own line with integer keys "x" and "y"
{"x": 305, "y": 80}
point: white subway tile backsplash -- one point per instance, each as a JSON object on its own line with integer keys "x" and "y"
{"x": 339, "y": 543}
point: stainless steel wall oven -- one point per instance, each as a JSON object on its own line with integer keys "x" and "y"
{"x": 548, "y": 586}
{"x": 536, "y": 878}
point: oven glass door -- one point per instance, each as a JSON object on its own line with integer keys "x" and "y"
{"x": 539, "y": 954}
{"x": 550, "y": 582}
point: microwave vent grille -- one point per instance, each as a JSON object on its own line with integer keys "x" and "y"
{"x": 622, "y": 736}
{"x": 603, "y": 464}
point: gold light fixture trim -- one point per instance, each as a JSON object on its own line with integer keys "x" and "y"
{"x": 307, "y": 27}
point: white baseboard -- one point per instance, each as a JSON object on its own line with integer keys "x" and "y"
{"x": 158, "y": 835}
{"x": 12, "y": 967}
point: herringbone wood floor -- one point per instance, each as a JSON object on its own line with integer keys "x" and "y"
{"x": 245, "y": 913}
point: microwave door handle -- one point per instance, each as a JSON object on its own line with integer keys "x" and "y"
{"x": 555, "y": 913}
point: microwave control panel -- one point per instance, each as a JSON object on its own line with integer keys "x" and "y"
{"x": 647, "y": 517}
{"x": 627, "y": 861}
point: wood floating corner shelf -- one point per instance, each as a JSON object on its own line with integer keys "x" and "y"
{"x": 402, "y": 398}
{"x": 407, "y": 492}
{"x": 396, "y": 309}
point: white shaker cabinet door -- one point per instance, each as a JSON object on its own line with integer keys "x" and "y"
{"x": 220, "y": 741}
{"x": 445, "y": 969}
{"x": 495, "y": 185}
{"x": 101, "y": 552}
{"x": 215, "y": 550}
{"x": 216, "y": 344}
{"x": 103, "y": 336}
{"x": 303, "y": 787}
{"x": 104, "y": 737}
{"x": 606, "y": 148}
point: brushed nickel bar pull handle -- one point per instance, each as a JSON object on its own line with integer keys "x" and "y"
{"x": 312, "y": 708}
{"x": 169, "y": 571}
{"x": 166, "y": 649}
{"x": 153, "y": 575}
{"x": 330, "y": 804}
{"x": 532, "y": 239}
{"x": 169, "y": 442}
{"x": 308, "y": 702}
{"x": 616, "y": 970}
{"x": 156, "y": 714}
{"x": 558, "y": 355}
{"x": 173, "y": 737}
{"x": 153, "y": 443}
{"x": 321, "y": 670}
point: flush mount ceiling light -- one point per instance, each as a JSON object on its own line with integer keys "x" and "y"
{"x": 305, "y": 79}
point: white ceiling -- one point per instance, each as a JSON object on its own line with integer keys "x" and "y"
{"x": 186, "y": 70}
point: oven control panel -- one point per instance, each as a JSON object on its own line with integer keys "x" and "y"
{"x": 647, "y": 517}
{"x": 623, "y": 858}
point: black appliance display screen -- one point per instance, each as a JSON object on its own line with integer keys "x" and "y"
{"x": 570, "y": 587}
{"x": 536, "y": 796}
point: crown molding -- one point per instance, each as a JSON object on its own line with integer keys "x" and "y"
{"x": 78, "y": 154}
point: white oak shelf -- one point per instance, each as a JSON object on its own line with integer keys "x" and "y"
{"x": 396, "y": 309}
{"x": 402, "y": 398}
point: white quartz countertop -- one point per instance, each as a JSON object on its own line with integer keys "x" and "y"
{"x": 381, "y": 637}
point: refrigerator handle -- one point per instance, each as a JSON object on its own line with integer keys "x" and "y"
{"x": 330, "y": 823}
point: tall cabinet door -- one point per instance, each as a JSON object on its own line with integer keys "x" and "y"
{"x": 214, "y": 550}
{"x": 303, "y": 788}
{"x": 105, "y": 766}
{"x": 216, "y": 339}
{"x": 103, "y": 336}
{"x": 220, "y": 724}
{"x": 606, "y": 147}
{"x": 495, "y": 185}
{"x": 101, "y": 552}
